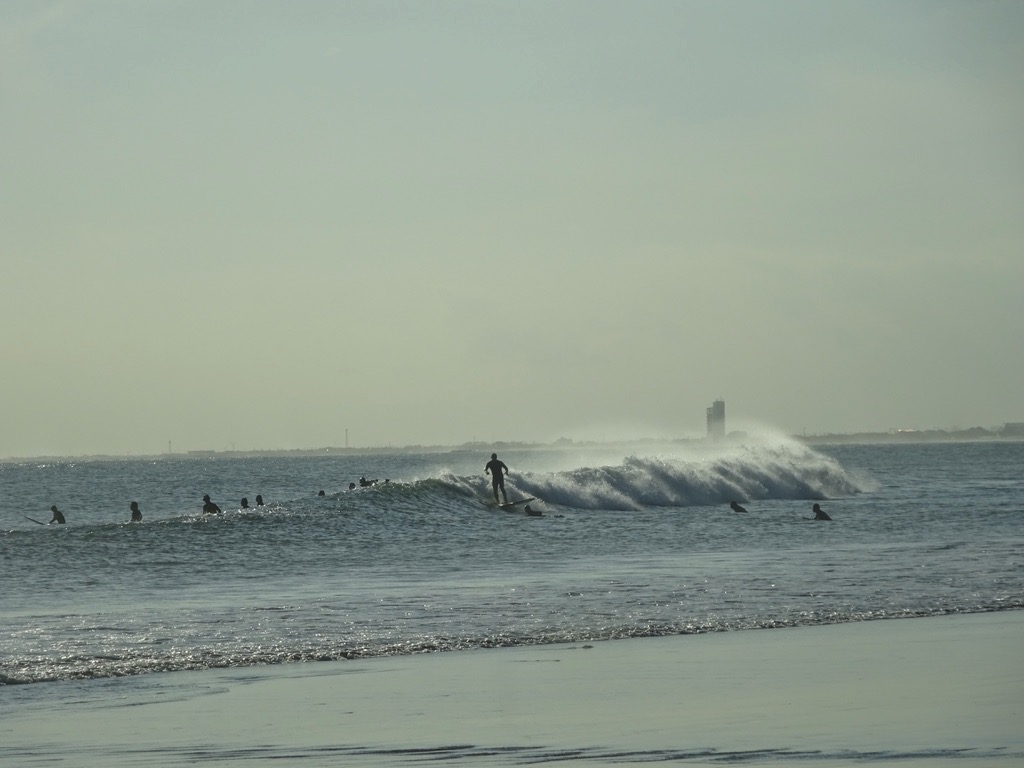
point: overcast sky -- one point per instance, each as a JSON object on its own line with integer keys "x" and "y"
{"x": 257, "y": 225}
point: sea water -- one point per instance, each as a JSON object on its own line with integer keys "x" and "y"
{"x": 632, "y": 542}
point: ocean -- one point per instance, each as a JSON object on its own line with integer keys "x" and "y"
{"x": 632, "y": 542}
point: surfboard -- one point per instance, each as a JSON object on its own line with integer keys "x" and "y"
{"x": 33, "y": 520}
{"x": 507, "y": 505}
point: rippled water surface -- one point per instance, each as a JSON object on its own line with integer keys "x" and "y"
{"x": 629, "y": 544}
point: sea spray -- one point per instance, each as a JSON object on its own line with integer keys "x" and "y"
{"x": 700, "y": 475}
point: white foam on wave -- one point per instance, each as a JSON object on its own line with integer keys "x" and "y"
{"x": 762, "y": 466}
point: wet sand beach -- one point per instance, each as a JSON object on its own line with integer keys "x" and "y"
{"x": 914, "y": 692}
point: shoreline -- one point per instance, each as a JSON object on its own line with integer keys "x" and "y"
{"x": 921, "y": 691}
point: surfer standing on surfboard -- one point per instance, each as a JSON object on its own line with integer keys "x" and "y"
{"x": 497, "y": 470}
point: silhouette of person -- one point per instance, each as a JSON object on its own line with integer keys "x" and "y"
{"x": 136, "y": 512}
{"x": 351, "y": 486}
{"x": 245, "y": 502}
{"x": 58, "y": 516}
{"x": 532, "y": 512}
{"x": 259, "y": 500}
{"x": 736, "y": 507}
{"x": 321, "y": 493}
{"x": 819, "y": 513}
{"x": 497, "y": 470}
{"x": 209, "y": 508}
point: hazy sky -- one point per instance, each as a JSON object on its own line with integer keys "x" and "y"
{"x": 259, "y": 224}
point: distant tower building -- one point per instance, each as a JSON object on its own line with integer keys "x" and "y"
{"x": 716, "y": 420}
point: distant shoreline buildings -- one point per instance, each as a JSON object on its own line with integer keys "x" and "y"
{"x": 716, "y": 420}
{"x": 1010, "y": 431}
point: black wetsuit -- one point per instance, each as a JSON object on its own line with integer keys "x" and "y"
{"x": 497, "y": 469}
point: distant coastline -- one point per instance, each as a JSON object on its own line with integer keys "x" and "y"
{"x": 1008, "y": 432}
{"x": 1013, "y": 431}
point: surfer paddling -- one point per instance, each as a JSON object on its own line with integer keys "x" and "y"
{"x": 819, "y": 513}
{"x": 497, "y": 470}
{"x": 58, "y": 516}
{"x": 736, "y": 507}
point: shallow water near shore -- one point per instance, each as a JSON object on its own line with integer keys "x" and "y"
{"x": 920, "y": 692}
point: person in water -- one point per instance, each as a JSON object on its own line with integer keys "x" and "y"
{"x": 819, "y": 513}
{"x": 209, "y": 508}
{"x": 136, "y": 512}
{"x": 531, "y": 512}
{"x": 58, "y": 516}
{"x": 736, "y": 507}
{"x": 259, "y": 500}
{"x": 497, "y": 470}
{"x": 245, "y": 503}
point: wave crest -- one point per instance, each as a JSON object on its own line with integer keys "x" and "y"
{"x": 744, "y": 472}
